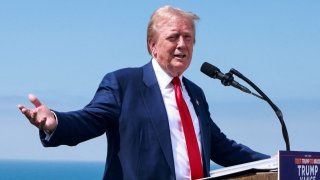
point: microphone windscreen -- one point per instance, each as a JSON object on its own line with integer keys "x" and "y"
{"x": 209, "y": 69}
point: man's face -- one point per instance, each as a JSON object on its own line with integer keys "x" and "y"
{"x": 173, "y": 45}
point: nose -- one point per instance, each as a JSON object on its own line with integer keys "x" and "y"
{"x": 181, "y": 43}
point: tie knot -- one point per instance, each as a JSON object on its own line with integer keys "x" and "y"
{"x": 176, "y": 81}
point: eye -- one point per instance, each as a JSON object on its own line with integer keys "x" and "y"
{"x": 187, "y": 38}
{"x": 172, "y": 38}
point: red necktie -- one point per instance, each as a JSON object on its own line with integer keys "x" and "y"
{"x": 188, "y": 129}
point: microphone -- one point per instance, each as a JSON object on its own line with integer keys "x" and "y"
{"x": 226, "y": 79}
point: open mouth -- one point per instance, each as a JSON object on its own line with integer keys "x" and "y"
{"x": 181, "y": 56}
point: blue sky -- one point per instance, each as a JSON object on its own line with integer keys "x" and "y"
{"x": 60, "y": 50}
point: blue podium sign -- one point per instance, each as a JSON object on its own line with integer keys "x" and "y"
{"x": 299, "y": 165}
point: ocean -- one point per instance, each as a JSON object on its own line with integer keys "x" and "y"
{"x": 52, "y": 170}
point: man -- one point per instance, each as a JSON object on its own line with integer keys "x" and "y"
{"x": 156, "y": 121}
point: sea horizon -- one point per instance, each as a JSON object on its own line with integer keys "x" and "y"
{"x": 50, "y": 170}
{"x": 54, "y": 169}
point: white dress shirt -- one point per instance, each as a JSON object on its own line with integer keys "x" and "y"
{"x": 180, "y": 154}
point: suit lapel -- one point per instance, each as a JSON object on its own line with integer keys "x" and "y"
{"x": 154, "y": 103}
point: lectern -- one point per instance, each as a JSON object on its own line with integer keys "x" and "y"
{"x": 287, "y": 165}
{"x": 252, "y": 176}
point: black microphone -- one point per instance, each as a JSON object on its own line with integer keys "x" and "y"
{"x": 226, "y": 79}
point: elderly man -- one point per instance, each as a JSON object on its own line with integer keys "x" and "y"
{"x": 157, "y": 122}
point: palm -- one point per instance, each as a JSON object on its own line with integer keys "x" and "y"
{"x": 40, "y": 116}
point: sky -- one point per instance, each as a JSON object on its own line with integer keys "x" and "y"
{"x": 60, "y": 50}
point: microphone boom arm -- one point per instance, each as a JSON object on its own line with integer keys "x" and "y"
{"x": 274, "y": 107}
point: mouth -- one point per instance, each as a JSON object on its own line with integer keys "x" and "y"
{"x": 180, "y": 56}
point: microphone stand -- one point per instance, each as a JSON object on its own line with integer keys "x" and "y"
{"x": 227, "y": 81}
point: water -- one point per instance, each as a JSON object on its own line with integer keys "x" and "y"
{"x": 53, "y": 170}
{"x": 50, "y": 170}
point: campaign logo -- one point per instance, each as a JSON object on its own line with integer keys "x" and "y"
{"x": 308, "y": 168}
{"x": 299, "y": 165}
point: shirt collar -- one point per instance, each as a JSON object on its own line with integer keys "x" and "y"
{"x": 164, "y": 79}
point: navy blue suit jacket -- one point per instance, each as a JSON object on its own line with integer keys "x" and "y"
{"x": 129, "y": 108}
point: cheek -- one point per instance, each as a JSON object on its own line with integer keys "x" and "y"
{"x": 190, "y": 48}
{"x": 166, "y": 52}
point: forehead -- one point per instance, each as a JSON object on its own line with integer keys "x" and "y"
{"x": 175, "y": 24}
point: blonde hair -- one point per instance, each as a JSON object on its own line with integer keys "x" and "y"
{"x": 167, "y": 12}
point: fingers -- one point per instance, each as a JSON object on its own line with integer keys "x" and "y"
{"x": 34, "y": 100}
{"x": 31, "y": 115}
{"x": 21, "y": 107}
{"x": 37, "y": 116}
{"x": 25, "y": 111}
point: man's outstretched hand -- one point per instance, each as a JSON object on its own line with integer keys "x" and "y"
{"x": 40, "y": 116}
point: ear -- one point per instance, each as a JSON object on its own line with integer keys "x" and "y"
{"x": 152, "y": 47}
{"x": 153, "y": 50}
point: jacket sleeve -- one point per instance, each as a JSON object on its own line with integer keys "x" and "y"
{"x": 91, "y": 121}
{"x": 227, "y": 152}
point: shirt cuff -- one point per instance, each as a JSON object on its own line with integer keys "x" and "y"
{"x": 49, "y": 133}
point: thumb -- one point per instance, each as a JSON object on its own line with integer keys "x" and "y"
{"x": 34, "y": 100}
